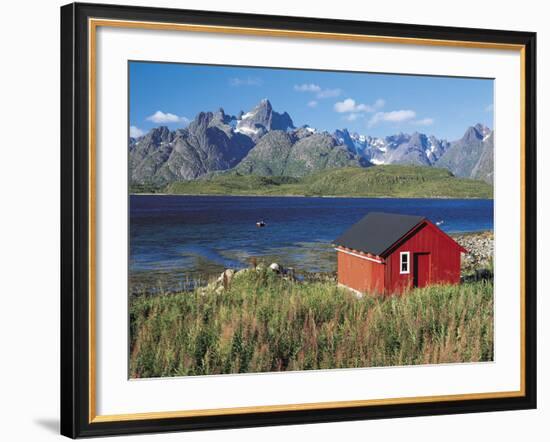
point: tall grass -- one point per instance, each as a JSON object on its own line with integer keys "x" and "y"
{"x": 264, "y": 323}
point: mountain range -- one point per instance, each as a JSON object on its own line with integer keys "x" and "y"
{"x": 266, "y": 143}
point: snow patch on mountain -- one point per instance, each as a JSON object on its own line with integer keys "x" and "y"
{"x": 376, "y": 162}
{"x": 247, "y": 130}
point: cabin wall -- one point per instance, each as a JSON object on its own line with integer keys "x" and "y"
{"x": 444, "y": 259}
{"x": 360, "y": 274}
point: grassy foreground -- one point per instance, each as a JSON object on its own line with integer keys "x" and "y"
{"x": 376, "y": 181}
{"x": 265, "y": 323}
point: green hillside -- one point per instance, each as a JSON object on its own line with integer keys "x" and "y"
{"x": 377, "y": 181}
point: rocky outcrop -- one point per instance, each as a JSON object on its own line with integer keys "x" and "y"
{"x": 223, "y": 282}
{"x": 480, "y": 249}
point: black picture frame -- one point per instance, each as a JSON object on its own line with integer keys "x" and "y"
{"x": 75, "y": 220}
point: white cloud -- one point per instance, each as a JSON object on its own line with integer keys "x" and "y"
{"x": 248, "y": 81}
{"x": 329, "y": 93}
{"x": 307, "y": 87}
{"x": 489, "y": 108}
{"x": 312, "y": 103}
{"x": 398, "y": 116}
{"x": 424, "y": 122}
{"x": 350, "y": 105}
{"x": 136, "y": 132}
{"x": 317, "y": 90}
{"x": 160, "y": 117}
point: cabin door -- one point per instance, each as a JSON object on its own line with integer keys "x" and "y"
{"x": 421, "y": 269}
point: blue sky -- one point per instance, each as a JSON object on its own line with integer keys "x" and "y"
{"x": 172, "y": 94}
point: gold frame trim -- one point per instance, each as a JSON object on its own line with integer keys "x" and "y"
{"x": 93, "y": 24}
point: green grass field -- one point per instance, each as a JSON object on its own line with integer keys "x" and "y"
{"x": 377, "y": 181}
{"x": 266, "y": 323}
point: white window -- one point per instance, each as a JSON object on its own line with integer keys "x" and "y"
{"x": 404, "y": 262}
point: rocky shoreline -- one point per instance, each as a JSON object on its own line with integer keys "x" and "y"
{"x": 477, "y": 263}
{"x": 480, "y": 248}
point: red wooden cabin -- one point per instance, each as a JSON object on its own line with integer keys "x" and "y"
{"x": 388, "y": 253}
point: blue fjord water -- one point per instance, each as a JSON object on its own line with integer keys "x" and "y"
{"x": 180, "y": 240}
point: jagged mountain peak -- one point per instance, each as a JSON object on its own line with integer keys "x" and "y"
{"x": 343, "y": 131}
{"x": 271, "y": 144}
{"x": 264, "y": 107}
{"x": 482, "y": 129}
{"x": 159, "y": 130}
{"x": 343, "y": 137}
{"x": 418, "y": 138}
{"x": 476, "y": 133}
{"x": 200, "y": 122}
{"x": 261, "y": 119}
{"x": 264, "y": 102}
{"x": 220, "y": 114}
{"x": 472, "y": 155}
{"x": 471, "y": 134}
{"x": 158, "y": 134}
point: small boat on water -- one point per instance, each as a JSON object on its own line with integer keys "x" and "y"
{"x": 438, "y": 223}
{"x": 260, "y": 224}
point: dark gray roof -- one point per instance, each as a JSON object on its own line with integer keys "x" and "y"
{"x": 377, "y": 232}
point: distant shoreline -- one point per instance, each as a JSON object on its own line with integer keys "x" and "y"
{"x": 311, "y": 196}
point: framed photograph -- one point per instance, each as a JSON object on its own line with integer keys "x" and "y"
{"x": 279, "y": 220}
